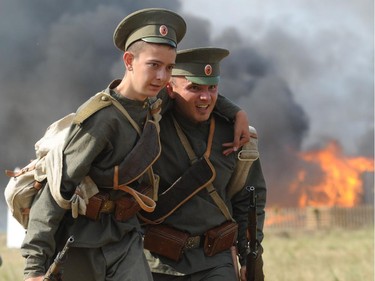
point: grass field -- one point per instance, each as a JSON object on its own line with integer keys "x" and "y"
{"x": 329, "y": 255}
{"x": 11, "y": 268}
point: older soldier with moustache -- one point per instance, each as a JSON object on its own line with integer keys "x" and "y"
{"x": 110, "y": 133}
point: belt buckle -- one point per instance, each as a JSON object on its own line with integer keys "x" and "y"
{"x": 108, "y": 207}
{"x": 192, "y": 242}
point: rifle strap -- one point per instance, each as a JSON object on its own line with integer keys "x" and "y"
{"x": 192, "y": 156}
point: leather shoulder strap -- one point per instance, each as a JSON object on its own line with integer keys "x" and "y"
{"x": 189, "y": 150}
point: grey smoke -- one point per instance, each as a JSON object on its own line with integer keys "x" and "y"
{"x": 54, "y": 55}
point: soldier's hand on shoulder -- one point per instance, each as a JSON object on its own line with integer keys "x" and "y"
{"x": 241, "y": 133}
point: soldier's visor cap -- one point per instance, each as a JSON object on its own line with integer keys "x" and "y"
{"x": 153, "y": 25}
{"x": 200, "y": 65}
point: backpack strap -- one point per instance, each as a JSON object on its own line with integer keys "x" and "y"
{"x": 102, "y": 100}
{"x": 94, "y": 104}
{"x": 98, "y": 102}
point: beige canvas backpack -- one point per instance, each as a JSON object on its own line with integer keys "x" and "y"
{"x": 25, "y": 183}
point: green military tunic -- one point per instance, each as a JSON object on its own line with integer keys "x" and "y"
{"x": 100, "y": 142}
{"x": 200, "y": 213}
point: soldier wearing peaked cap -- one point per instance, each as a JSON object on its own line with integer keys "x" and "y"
{"x": 201, "y": 65}
{"x": 109, "y": 132}
{"x": 105, "y": 130}
{"x": 202, "y": 205}
{"x": 158, "y": 26}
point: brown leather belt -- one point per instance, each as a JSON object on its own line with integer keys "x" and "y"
{"x": 171, "y": 243}
{"x": 122, "y": 208}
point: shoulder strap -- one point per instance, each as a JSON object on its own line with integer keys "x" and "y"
{"x": 192, "y": 156}
{"x": 102, "y": 100}
{"x": 98, "y": 102}
{"x": 123, "y": 111}
{"x": 194, "y": 179}
{"x": 94, "y": 104}
{"x": 246, "y": 157}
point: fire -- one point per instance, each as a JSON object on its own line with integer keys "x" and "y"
{"x": 340, "y": 183}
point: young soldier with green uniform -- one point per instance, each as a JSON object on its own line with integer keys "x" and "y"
{"x": 115, "y": 130}
{"x": 199, "y": 216}
{"x": 104, "y": 131}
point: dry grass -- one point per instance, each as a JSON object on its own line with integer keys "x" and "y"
{"x": 329, "y": 255}
{"x": 11, "y": 269}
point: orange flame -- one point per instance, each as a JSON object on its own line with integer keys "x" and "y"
{"x": 341, "y": 184}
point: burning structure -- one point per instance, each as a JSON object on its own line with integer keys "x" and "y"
{"x": 339, "y": 180}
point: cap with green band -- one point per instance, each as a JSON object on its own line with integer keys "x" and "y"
{"x": 200, "y": 65}
{"x": 152, "y": 25}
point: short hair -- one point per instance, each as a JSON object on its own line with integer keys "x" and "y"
{"x": 137, "y": 47}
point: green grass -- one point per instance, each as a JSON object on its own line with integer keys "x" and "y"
{"x": 329, "y": 255}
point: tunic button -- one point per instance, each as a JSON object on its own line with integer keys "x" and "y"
{"x": 104, "y": 98}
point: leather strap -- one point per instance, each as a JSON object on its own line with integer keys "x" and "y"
{"x": 192, "y": 156}
{"x": 20, "y": 172}
{"x": 194, "y": 179}
{"x": 145, "y": 202}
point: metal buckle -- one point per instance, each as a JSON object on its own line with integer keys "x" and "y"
{"x": 192, "y": 242}
{"x": 108, "y": 207}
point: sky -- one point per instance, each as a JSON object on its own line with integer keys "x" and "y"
{"x": 303, "y": 70}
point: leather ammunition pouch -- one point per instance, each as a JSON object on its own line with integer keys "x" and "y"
{"x": 220, "y": 238}
{"x": 123, "y": 208}
{"x": 165, "y": 241}
{"x": 96, "y": 204}
{"x": 171, "y": 243}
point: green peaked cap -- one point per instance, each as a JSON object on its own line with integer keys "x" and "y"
{"x": 200, "y": 65}
{"x": 152, "y": 25}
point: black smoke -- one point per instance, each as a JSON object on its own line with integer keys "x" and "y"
{"x": 55, "y": 54}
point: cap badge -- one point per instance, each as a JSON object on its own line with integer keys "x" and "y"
{"x": 163, "y": 30}
{"x": 208, "y": 69}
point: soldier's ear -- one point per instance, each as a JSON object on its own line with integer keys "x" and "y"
{"x": 170, "y": 90}
{"x": 128, "y": 60}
